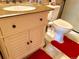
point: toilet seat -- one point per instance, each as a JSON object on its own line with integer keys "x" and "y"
{"x": 63, "y": 24}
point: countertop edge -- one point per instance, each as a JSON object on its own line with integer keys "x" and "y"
{"x": 19, "y": 14}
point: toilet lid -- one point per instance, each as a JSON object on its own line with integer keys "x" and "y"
{"x": 62, "y": 23}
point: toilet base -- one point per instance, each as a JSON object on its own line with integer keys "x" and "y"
{"x": 69, "y": 47}
{"x": 59, "y": 37}
{"x": 60, "y": 41}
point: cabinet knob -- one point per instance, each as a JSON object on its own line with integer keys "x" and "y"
{"x": 14, "y": 26}
{"x": 28, "y": 43}
{"x": 41, "y": 19}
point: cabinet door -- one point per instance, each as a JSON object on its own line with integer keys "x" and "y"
{"x": 36, "y": 38}
{"x": 17, "y": 45}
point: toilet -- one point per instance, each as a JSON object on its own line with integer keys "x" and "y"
{"x": 61, "y": 27}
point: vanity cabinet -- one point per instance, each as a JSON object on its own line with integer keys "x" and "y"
{"x": 22, "y": 35}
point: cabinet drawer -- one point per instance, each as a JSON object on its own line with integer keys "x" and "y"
{"x": 12, "y": 25}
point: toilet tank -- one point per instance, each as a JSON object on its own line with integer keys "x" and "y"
{"x": 71, "y": 13}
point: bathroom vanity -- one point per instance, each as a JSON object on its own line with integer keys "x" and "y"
{"x": 22, "y": 32}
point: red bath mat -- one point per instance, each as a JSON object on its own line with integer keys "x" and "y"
{"x": 40, "y": 54}
{"x": 69, "y": 47}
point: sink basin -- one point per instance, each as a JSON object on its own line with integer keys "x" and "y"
{"x": 19, "y": 8}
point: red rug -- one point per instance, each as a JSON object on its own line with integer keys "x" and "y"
{"x": 69, "y": 47}
{"x": 40, "y": 54}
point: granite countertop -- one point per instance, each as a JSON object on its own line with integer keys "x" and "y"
{"x": 4, "y": 13}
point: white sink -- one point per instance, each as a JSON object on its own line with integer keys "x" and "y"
{"x": 19, "y": 8}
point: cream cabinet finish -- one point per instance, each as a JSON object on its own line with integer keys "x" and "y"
{"x": 35, "y": 39}
{"x": 16, "y": 45}
{"x": 22, "y": 35}
{"x": 22, "y": 23}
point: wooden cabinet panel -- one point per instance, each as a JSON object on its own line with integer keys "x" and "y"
{"x": 12, "y": 25}
{"x": 24, "y": 43}
{"x": 36, "y": 41}
{"x": 0, "y": 56}
{"x": 17, "y": 46}
{"x": 22, "y": 35}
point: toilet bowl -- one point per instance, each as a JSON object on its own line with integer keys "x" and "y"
{"x": 61, "y": 27}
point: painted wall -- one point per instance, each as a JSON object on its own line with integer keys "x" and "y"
{"x": 59, "y": 1}
{"x": 71, "y": 13}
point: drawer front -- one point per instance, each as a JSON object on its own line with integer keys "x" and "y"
{"x": 13, "y": 25}
{"x": 17, "y": 45}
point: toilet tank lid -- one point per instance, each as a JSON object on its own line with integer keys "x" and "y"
{"x": 63, "y": 23}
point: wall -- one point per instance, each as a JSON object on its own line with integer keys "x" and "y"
{"x": 59, "y": 1}
{"x": 71, "y": 13}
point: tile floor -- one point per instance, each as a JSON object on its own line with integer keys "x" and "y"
{"x": 54, "y": 52}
